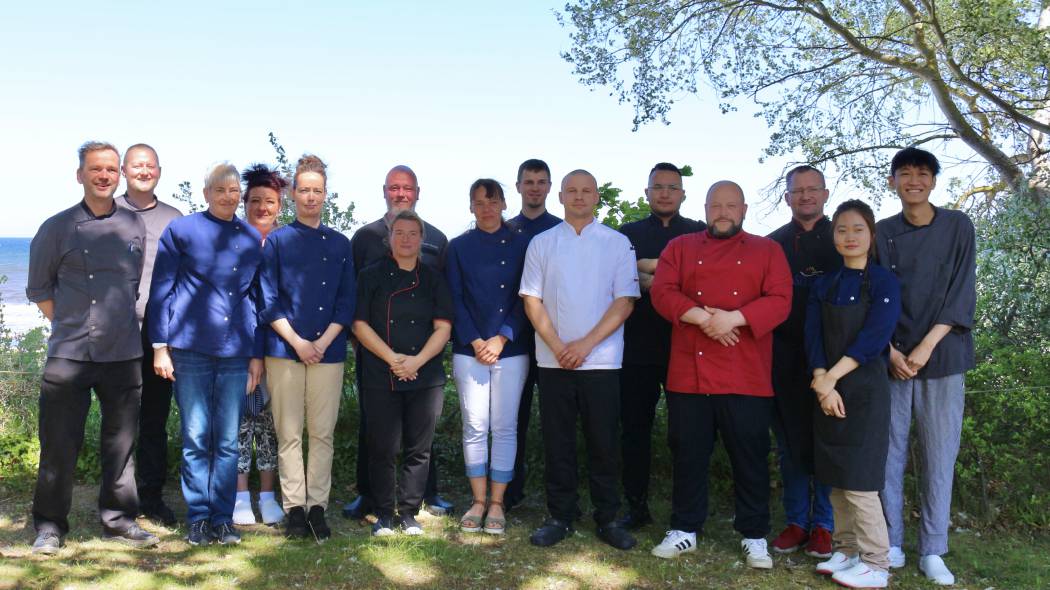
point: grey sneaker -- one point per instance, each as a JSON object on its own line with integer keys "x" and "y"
{"x": 134, "y": 536}
{"x": 47, "y": 543}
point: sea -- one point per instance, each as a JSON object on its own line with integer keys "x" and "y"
{"x": 19, "y": 315}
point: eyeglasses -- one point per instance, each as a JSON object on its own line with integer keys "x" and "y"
{"x": 666, "y": 187}
{"x": 809, "y": 191}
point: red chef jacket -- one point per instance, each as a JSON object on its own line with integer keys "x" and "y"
{"x": 745, "y": 272}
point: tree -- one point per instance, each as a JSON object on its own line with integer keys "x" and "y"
{"x": 840, "y": 82}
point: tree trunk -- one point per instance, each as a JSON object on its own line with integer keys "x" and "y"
{"x": 1040, "y": 144}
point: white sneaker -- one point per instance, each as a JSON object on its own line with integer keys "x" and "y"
{"x": 675, "y": 544}
{"x": 896, "y": 557}
{"x": 837, "y": 563}
{"x": 861, "y": 576}
{"x": 935, "y": 570}
{"x": 271, "y": 511}
{"x": 757, "y": 554}
{"x": 242, "y": 512}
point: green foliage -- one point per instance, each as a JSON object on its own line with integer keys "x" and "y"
{"x": 614, "y": 211}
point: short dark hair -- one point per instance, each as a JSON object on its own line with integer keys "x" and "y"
{"x": 493, "y": 189}
{"x": 665, "y": 167}
{"x": 95, "y": 146}
{"x": 534, "y": 165}
{"x": 862, "y": 209}
{"x": 913, "y": 156}
{"x": 800, "y": 169}
{"x": 258, "y": 175}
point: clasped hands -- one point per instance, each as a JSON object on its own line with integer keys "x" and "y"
{"x": 309, "y": 352}
{"x": 823, "y": 384}
{"x": 405, "y": 367}
{"x": 717, "y": 324}
{"x": 487, "y": 351}
{"x": 906, "y": 367}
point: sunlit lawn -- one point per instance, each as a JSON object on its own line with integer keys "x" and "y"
{"x": 447, "y": 559}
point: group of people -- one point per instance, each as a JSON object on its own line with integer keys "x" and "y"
{"x": 836, "y": 333}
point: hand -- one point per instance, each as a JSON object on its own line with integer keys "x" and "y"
{"x": 306, "y": 351}
{"x": 729, "y": 339}
{"x": 832, "y": 405}
{"x": 255, "y": 372}
{"x": 823, "y": 384}
{"x": 492, "y": 349}
{"x": 408, "y": 368}
{"x": 721, "y": 322}
{"x": 320, "y": 346}
{"x": 919, "y": 356}
{"x": 574, "y": 354}
{"x": 899, "y": 368}
{"x": 162, "y": 364}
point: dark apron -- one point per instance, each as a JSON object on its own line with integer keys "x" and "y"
{"x": 850, "y": 453}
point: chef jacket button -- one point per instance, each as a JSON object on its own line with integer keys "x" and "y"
{"x": 699, "y": 261}
{"x": 324, "y": 259}
{"x": 230, "y": 293}
{"x": 502, "y": 286}
{"x": 319, "y": 308}
{"x": 226, "y": 318}
{"x": 323, "y": 283}
{"x": 738, "y": 262}
{"x": 701, "y": 353}
{"x": 893, "y": 266}
{"x": 698, "y": 293}
{"x": 91, "y": 276}
{"x": 503, "y": 241}
{"x": 318, "y": 333}
{"x": 92, "y": 302}
{"x": 851, "y": 298}
{"x": 324, "y": 237}
{"x": 391, "y": 274}
{"x": 411, "y": 321}
{"x": 85, "y": 250}
{"x": 235, "y": 269}
{"x": 734, "y": 292}
{"x": 501, "y": 310}
{"x": 236, "y": 246}
{"x": 391, "y": 321}
{"x": 886, "y": 300}
{"x": 92, "y": 327}
{"x": 503, "y": 262}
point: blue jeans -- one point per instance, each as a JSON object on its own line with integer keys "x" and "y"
{"x": 210, "y": 394}
{"x": 801, "y": 508}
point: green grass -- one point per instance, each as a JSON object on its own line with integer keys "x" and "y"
{"x": 447, "y": 559}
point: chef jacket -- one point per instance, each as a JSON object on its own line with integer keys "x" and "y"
{"x": 743, "y": 272}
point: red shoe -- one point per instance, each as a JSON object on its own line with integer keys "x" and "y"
{"x": 819, "y": 543}
{"x": 790, "y": 539}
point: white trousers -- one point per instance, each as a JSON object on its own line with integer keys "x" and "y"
{"x": 488, "y": 401}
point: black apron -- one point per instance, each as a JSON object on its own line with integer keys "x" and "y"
{"x": 850, "y": 453}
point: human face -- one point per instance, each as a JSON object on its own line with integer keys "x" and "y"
{"x": 141, "y": 170}
{"x": 579, "y": 196}
{"x": 852, "y": 236}
{"x": 913, "y": 184}
{"x": 487, "y": 212}
{"x": 665, "y": 194}
{"x": 263, "y": 207}
{"x": 401, "y": 191}
{"x": 725, "y": 209}
{"x": 309, "y": 195}
{"x": 405, "y": 239}
{"x": 806, "y": 195}
{"x": 100, "y": 174}
{"x": 223, "y": 198}
{"x": 533, "y": 187}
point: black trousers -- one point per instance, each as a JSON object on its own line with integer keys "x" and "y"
{"x": 151, "y": 454}
{"x": 594, "y": 397}
{"x": 516, "y": 488}
{"x": 65, "y": 398}
{"x": 639, "y": 393}
{"x": 400, "y": 423}
{"x": 743, "y": 422}
{"x": 364, "y": 482}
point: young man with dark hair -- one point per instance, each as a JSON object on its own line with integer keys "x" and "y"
{"x": 932, "y": 251}
{"x": 647, "y": 337}
{"x": 808, "y": 244}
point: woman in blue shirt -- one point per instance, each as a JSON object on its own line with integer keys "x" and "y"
{"x": 202, "y": 323}
{"x": 490, "y": 361}
{"x": 308, "y": 301}
{"x": 851, "y": 316}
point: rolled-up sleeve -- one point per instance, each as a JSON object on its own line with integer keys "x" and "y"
{"x": 44, "y": 257}
{"x": 960, "y": 301}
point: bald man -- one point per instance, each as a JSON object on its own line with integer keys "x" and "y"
{"x": 723, "y": 290}
{"x": 579, "y": 285}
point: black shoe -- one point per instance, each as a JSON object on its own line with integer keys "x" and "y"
{"x": 510, "y": 502}
{"x": 552, "y": 531}
{"x": 295, "y": 523}
{"x": 225, "y": 534}
{"x": 158, "y": 512}
{"x": 134, "y": 536}
{"x": 635, "y": 519}
{"x": 438, "y": 506}
{"x": 47, "y": 543}
{"x": 315, "y": 520}
{"x": 616, "y": 536}
{"x": 200, "y": 533}
{"x": 409, "y": 525}
{"x": 357, "y": 509}
{"x": 383, "y": 527}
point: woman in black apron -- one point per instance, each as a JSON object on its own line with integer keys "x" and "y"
{"x": 851, "y": 316}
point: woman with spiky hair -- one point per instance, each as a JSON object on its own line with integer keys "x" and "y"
{"x": 264, "y": 189}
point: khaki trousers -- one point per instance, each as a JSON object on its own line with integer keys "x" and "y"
{"x": 860, "y": 527}
{"x": 301, "y": 393}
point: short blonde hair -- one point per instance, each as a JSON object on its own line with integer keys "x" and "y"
{"x": 95, "y": 146}
{"x": 221, "y": 172}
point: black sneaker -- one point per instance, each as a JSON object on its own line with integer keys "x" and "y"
{"x": 134, "y": 536}
{"x": 158, "y": 512}
{"x": 438, "y": 506}
{"x": 47, "y": 543}
{"x": 616, "y": 536}
{"x": 635, "y": 519}
{"x": 357, "y": 509}
{"x": 225, "y": 534}
{"x": 409, "y": 525}
{"x": 315, "y": 520}
{"x": 200, "y": 533}
{"x": 383, "y": 527}
{"x": 552, "y": 531}
{"x": 295, "y": 523}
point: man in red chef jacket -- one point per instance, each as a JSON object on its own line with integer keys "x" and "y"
{"x": 723, "y": 290}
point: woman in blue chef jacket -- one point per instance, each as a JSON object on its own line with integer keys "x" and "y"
{"x": 851, "y": 316}
{"x": 202, "y": 323}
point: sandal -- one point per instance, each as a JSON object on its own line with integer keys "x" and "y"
{"x": 471, "y": 523}
{"x": 495, "y": 525}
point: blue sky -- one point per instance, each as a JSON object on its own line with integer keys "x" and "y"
{"x": 456, "y": 90}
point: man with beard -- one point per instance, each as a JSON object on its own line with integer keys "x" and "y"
{"x": 141, "y": 170}
{"x": 401, "y": 191}
{"x": 724, "y": 291}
